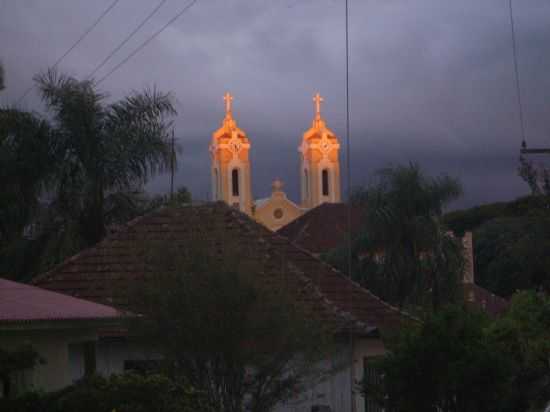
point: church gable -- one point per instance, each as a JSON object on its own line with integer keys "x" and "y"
{"x": 276, "y": 211}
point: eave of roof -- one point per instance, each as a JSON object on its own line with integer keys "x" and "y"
{"x": 21, "y": 303}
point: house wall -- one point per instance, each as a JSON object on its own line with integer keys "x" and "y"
{"x": 53, "y": 347}
{"x": 335, "y": 389}
{"x": 111, "y": 354}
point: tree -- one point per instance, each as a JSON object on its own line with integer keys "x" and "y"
{"x": 14, "y": 361}
{"x": 447, "y": 364}
{"x": 222, "y": 325}
{"x": 403, "y": 252}
{"x": 537, "y": 177}
{"x": 458, "y": 360}
{"x": 84, "y": 164}
{"x": 523, "y": 336}
{"x": 102, "y": 150}
{"x": 512, "y": 254}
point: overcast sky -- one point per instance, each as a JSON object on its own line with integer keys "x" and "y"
{"x": 431, "y": 80}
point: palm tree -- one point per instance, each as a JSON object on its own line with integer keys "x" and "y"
{"x": 94, "y": 158}
{"x": 412, "y": 253}
{"x": 102, "y": 150}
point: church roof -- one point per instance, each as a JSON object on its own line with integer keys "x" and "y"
{"x": 26, "y": 303}
{"x": 322, "y": 228}
{"x": 103, "y": 271}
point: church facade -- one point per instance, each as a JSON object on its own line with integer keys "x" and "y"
{"x": 231, "y": 171}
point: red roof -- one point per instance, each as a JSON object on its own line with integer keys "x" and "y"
{"x": 24, "y": 303}
{"x": 322, "y": 228}
{"x": 103, "y": 272}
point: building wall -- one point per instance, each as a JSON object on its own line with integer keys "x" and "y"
{"x": 335, "y": 389}
{"x": 277, "y": 212}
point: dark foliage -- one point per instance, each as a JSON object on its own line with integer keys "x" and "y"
{"x": 461, "y": 361}
{"x": 224, "y": 327}
{"x": 122, "y": 393}
{"x": 403, "y": 253}
{"x": 68, "y": 177}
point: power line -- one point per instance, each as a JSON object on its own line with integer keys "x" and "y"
{"x": 139, "y": 26}
{"x": 148, "y": 40}
{"x": 516, "y": 72}
{"x": 76, "y": 43}
{"x": 348, "y": 178}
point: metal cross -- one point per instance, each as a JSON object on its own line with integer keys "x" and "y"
{"x": 228, "y": 99}
{"x": 318, "y": 100}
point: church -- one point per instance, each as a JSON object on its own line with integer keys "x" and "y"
{"x": 231, "y": 171}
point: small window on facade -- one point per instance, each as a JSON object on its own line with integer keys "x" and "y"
{"x": 324, "y": 178}
{"x": 278, "y": 213}
{"x": 373, "y": 381}
{"x": 235, "y": 182}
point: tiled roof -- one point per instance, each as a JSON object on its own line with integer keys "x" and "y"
{"x": 322, "y": 228}
{"x": 479, "y": 298}
{"x": 25, "y": 303}
{"x": 103, "y": 272}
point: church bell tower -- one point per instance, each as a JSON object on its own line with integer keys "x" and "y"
{"x": 319, "y": 163}
{"x": 230, "y": 163}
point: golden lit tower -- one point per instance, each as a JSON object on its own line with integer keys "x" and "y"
{"x": 230, "y": 164}
{"x": 319, "y": 162}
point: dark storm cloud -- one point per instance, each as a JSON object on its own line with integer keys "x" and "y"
{"x": 431, "y": 81}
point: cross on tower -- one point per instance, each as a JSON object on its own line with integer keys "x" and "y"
{"x": 318, "y": 100}
{"x": 228, "y": 99}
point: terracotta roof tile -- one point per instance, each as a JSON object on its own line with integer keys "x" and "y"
{"x": 104, "y": 271}
{"x": 309, "y": 231}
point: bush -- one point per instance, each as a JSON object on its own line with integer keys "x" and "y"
{"x": 128, "y": 392}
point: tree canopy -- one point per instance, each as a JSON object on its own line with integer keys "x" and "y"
{"x": 241, "y": 338}
{"x": 70, "y": 174}
{"x": 511, "y": 241}
{"x": 402, "y": 252}
{"x": 462, "y": 361}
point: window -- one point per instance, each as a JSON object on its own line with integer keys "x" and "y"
{"x": 235, "y": 181}
{"x": 306, "y": 185}
{"x": 324, "y": 178}
{"x": 278, "y": 213}
{"x": 372, "y": 377}
{"x": 215, "y": 195}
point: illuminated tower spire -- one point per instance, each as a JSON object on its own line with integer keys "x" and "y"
{"x": 319, "y": 162}
{"x": 230, "y": 162}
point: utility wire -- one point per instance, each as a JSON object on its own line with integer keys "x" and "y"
{"x": 516, "y": 72}
{"x": 76, "y": 43}
{"x": 348, "y": 178}
{"x": 117, "y": 48}
{"x": 148, "y": 40}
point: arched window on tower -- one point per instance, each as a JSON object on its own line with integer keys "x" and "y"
{"x": 306, "y": 185}
{"x": 325, "y": 183}
{"x": 216, "y": 188}
{"x": 235, "y": 182}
